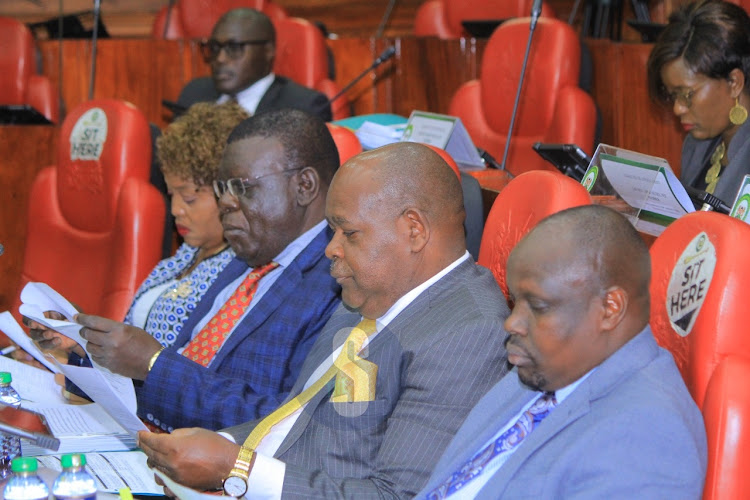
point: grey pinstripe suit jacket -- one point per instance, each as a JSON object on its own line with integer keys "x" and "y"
{"x": 435, "y": 360}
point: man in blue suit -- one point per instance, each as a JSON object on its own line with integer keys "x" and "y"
{"x": 594, "y": 408}
{"x": 272, "y": 187}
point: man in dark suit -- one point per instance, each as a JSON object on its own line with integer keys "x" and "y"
{"x": 594, "y": 408}
{"x": 241, "y": 51}
{"x": 272, "y": 187}
{"x": 419, "y": 341}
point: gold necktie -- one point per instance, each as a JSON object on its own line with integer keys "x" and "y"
{"x": 712, "y": 176}
{"x": 352, "y": 344}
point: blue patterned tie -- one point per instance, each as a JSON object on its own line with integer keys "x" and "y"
{"x": 507, "y": 441}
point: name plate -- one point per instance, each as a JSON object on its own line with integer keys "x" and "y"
{"x": 445, "y": 132}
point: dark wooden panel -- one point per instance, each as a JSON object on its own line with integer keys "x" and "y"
{"x": 23, "y": 152}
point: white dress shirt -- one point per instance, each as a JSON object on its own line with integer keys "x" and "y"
{"x": 250, "y": 97}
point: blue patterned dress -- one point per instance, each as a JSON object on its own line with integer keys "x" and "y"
{"x": 163, "y": 302}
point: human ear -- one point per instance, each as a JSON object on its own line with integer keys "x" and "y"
{"x": 418, "y": 227}
{"x": 736, "y": 81}
{"x": 307, "y": 186}
{"x": 615, "y": 306}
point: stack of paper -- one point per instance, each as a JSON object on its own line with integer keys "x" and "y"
{"x": 372, "y": 135}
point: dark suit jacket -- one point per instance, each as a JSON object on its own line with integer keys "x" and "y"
{"x": 630, "y": 430}
{"x": 283, "y": 93}
{"x": 257, "y": 365}
{"x": 435, "y": 360}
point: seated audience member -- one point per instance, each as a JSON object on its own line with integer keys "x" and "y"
{"x": 189, "y": 153}
{"x": 594, "y": 408}
{"x": 271, "y": 187}
{"x": 700, "y": 66}
{"x": 241, "y": 52}
{"x": 373, "y": 422}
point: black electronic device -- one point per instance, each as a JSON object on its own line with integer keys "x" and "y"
{"x": 481, "y": 28}
{"x": 649, "y": 31}
{"x": 707, "y": 201}
{"x": 21, "y": 114}
{"x": 28, "y": 425}
{"x": 568, "y": 158}
{"x": 77, "y": 25}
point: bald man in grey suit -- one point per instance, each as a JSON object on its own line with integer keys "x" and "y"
{"x": 399, "y": 254}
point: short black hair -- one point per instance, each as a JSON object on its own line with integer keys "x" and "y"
{"x": 256, "y": 17}
{"x": 711, "y": 36}
{"x": 306, "y": 140}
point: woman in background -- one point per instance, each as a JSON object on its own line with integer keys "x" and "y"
{"x": 700, "y": 66}
{"x": 189, "y": 152}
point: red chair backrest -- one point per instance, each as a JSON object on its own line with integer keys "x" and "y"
{"x": 698, "y": 313}
{"x": 19, "y": 83}
{"x": 443, "y": 18}
{"x": 346, "y": 142}
{"x": 196, "y": 18}
{"x": 525, "y": 201}
{"x": 302, "y": 56}
{"x": 95, "y": 222}
{"x": 552, "y": 107}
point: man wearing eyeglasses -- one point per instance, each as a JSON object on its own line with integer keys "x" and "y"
{"x": 241, "y": 349}
{"x": 241, "y": 52}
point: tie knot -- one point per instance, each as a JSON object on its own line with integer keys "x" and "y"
{"x": 367, "y": 325}
{"x": 544, "y": 404}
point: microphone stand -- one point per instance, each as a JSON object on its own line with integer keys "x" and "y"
{"x": 387, "y": 54}
{"x": 94, "y": 37}
{"x": 386, "y": 17}
{"x": 532, "y": 27}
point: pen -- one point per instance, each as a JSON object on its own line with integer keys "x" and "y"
{"x": 8, "y": 350}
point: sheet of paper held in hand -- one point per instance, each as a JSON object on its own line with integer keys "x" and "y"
{"x": 116, "y": 470}
{"x": 647, "y": 183}
{"x": 10, "y": 327}
{"x": 182, "y": 492}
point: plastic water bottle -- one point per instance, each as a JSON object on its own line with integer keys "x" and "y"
{"x": 74, "y": 482}
{"x": 11, "y": 445}
{"x": 25, "y": 484}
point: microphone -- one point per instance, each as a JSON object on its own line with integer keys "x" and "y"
{"x": 49, "y": 442}
{"x": 710, "y": 202}
{"x": 536, "y": 10}
{"x": 383, "y": 57}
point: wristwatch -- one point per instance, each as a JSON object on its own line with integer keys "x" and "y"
{"x": 235, "y": 484}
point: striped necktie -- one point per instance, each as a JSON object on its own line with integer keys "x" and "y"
{"x": 353, "y": 343}
{"x": 507, "y": 441}
{"x": 204, "y": 346}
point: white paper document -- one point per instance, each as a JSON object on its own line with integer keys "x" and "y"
{"x": 183, "y": 492}
{"x": 10, "y": 327}
{"x": 32, "y": 384}
{"x": 70, "y": 329}
{"x": 47, "y": 299}
{"x": 116, "y": 470}
{"x": 114, "y": 392}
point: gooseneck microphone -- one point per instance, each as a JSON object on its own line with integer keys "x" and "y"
{"x": 383, "y": 57}
{"x": 536, "y": 10}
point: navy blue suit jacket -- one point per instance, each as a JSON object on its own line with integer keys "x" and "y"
{"x": 258, "y": 364}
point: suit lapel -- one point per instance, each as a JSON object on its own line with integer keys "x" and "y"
{"x": 268, "y": 101}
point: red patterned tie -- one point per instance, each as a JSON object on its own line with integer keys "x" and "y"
{"x": 206, "y": 344}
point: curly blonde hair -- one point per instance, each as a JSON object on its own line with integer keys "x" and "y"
{"x": 192, "y": 145}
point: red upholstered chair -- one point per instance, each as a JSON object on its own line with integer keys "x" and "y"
{"x": 19, "y": 83}
{"x": 552, "y": 108}
{"x": 708, "y": 334}
{"x": 346, "y": 141}
{"x": 442, "y": 18}
{"x": 525, "y": 201}
{"x": 196, "y": 18}
{"x": 95, "y": 224}
{"x": 301, "y": 56}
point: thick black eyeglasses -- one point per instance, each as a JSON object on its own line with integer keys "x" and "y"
{"x": 238, "y": 186}
{"x": 232, "y": 48}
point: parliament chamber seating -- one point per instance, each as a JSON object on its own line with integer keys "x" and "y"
{"x": 442, "y": 18}
{"x": 302, "y": 56}
{"x": 712, "y": 348}
{"x": 19, "y": 81}
{"x": 526, "y": 200}
{"x": 346, "y": 142}
{"x": 196, "y": 18}
{"x": 95, "y": 222}
{"x": 552, "y": 109}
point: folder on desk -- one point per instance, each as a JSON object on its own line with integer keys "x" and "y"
{"x": 640, "y": 186}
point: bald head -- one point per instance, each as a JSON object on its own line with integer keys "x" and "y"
{"x": 253, "y": 22}
{"x": 397, "y": 215}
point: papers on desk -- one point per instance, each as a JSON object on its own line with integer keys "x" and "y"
{"x": 114, "y": 471}
{"x": 373, "y": 135}
{"x": 80, "y": 429}
{"x": 32, "y": 384}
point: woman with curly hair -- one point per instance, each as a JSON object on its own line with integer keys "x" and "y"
{"x": 189, "y": 152}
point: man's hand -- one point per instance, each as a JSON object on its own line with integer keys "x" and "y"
{"x": 120, "y": 348}
{"x": 195, "y": 457}
{"x": 50, "y": 340}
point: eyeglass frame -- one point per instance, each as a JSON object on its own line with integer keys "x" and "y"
{"x": 221, "y": 187}
{"x": 236, "y": 51}
{"x": 684, "y": 97}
